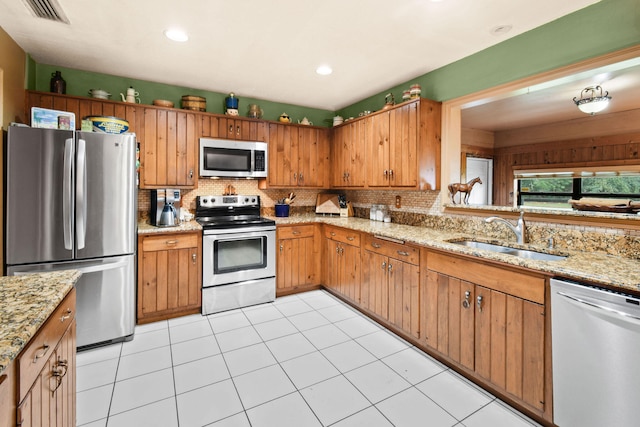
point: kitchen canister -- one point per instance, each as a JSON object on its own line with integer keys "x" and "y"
{"x": 282, "y": 210}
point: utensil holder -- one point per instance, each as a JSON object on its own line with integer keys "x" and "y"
{"x": 282, "y": 210}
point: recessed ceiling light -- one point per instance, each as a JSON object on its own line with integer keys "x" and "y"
{"x": 324, "y": 70}
{"x": 501, "y": 29}
{"x": 176, "y": 35}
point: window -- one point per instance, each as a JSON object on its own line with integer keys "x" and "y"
{"x": 554, "y": 189}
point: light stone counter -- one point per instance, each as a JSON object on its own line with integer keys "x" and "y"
{"x": 594, "y": 267}
{"x": 186, "y": 226}
{"x": 26, "y": 303}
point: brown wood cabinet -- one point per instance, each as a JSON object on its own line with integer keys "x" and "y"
{"x": 298, "y": 156}
{"x": 225, "y": 127}
{"x": 489, "y": 320}
{"x": 168, "y": 137}
{"x": 169, "y": 275}
{"x": 8, "y": 397}
{"x": 46, "y": 381}
{"x": 348, "y": 155}
{"x": 401, "y": 146}
{"x": 342, "y": 262}
{"x": 390, "y": 283}
{"x": 298, "y": 258}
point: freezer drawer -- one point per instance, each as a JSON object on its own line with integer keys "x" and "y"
{"x": 105, "y": 297}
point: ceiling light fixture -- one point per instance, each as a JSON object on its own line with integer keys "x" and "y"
{"x": 176, "y": 35}
{"x": 324, "y": 70}
{"x": 590, "y": 102}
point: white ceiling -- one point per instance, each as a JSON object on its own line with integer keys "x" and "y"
{"x": 270, "y": 49}
{"x": 552, "y": 101}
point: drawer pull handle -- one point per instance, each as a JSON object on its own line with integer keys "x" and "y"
{"x": 351, "y": 238}
{"x": 295, "y": 233}
{"x": 171, "y": 242}
{"x": 403, "y": 253}
{"x": 376, "y": 245}
{"x": 66, "y": 315}
{"x": 389, "y": 239}
{"x": 40, "y": 354}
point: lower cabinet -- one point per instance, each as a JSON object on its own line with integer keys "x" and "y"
{"x": 391, "y": 282}
{"x": 46, "y": 372}
{"x": 490, "y": 321}
{"x": 169, "y": 275}
{"x": 298, "y": 258}
{"x": 342, "y": 262}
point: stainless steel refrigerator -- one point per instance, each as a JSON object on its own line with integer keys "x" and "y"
{"x": 71, "y": 203}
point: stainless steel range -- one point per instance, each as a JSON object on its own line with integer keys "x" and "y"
{"x": 238, "y": 253}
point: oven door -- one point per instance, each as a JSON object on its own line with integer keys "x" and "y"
{"x": 237, "y": 255}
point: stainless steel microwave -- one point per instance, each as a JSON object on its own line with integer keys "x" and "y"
{"x": 233, "y": 159}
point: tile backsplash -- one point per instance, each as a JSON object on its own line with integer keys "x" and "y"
{"x": 423, "y": 208}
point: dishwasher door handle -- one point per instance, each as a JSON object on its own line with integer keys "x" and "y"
{"x": 598, "y": 306}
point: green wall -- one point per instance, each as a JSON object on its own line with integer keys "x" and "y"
{"x": 604, "y": 27}
{"x": 80, "y": 82}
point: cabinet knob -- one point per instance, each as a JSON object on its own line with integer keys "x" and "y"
{"x": 351, "y": 238}
{"x": 385, "y": 173}
{"x": 281, "y": 248}
{"x": 231, "y": 129}
{"x": 295, "y": 176}
{"x": 479, "y": 302}
{"x": 190, "y": 173}
{"x": 384, "y": 265}
{"x": 300, "y": 177}
{"x": 194, "y": 257}
{"x": 390, "y": 173}
{"x": 466, "y": 303}
{"x": 238, "y": 130}
{"x": 390, "y": 267}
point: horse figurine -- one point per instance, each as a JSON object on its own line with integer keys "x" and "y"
{"x": 462, "y": 188}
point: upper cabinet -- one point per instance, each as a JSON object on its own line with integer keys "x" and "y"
{"x": 298, "y": 156}
{"x": 347, "y": 152}
{"x": 168, "y": 137}
{"x": 228, "y": 127}
{"x": 401, "y": 146}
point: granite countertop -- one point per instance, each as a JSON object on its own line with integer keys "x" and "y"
{"x": 27, "y": 302}
{"x": 185, "y": 226}
{"x": 594, "y": 267}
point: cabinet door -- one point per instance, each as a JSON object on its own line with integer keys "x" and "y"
{"x": 355, "y": 154}
{"x": 168, "y": 148}
{"x": 403, "y": 146}
{"x": 169, "y": 281}
{"x": 282, "y": 156}
{"x": 404, "y": 297}
{"x": 332, "y": 264}
{"x": 375, "y": 283}
{"x": 449, "y": 324}
{"x": 510, "y": 344}
{"x": 350, "y": 272}
{"x": 338, "y": 149}
{"x": 313, "y": 157}
{"x": 295, "y": 263}
{"x": 377, "y": 141}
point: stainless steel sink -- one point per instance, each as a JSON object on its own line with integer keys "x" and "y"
{"x": 522, "y": 253}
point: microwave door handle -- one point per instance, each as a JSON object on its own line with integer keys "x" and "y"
{"x": 253, "y": 161}
{"x": 67, "y": 191}
{"x": 81, "y": 194}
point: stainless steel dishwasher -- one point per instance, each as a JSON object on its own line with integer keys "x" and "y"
{"x": 596, "y": 356}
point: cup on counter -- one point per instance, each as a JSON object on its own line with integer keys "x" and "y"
{"x": 282, "y": 210}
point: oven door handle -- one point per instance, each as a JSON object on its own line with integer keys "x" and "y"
{"x": 240, "y": 235}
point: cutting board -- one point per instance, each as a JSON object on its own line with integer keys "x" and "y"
{"x": 327, "y": 204}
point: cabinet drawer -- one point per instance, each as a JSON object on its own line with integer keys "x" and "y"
{"x": 348, "y": 237}
{"x": 167, "y": 242}
{"x": 510, "y": 282}
{"x": 293, "y": 232}
{"x": 35, "y": 355}
{"x": 403, "y": 252}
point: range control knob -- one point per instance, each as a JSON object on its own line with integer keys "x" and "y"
{"x": 253, "y": 200}
{"x": 203, "y": 201}
{"x": 213, "y": 201}
{"x": 246, "y": 200}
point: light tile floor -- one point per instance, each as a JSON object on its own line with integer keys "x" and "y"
{"x": 306, "y": 360}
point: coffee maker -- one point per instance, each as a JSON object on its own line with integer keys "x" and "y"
{"x": 163, "y": 212}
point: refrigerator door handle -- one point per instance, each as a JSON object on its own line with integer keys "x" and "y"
{"x": 81, "y": 196}
{"x": 67, "y": 191}
{"x": 90, "y": 268}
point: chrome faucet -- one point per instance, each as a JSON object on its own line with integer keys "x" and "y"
{"x": 519, "y": 229}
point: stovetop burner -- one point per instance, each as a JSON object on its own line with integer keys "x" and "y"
{"x": 222, "y": 212}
